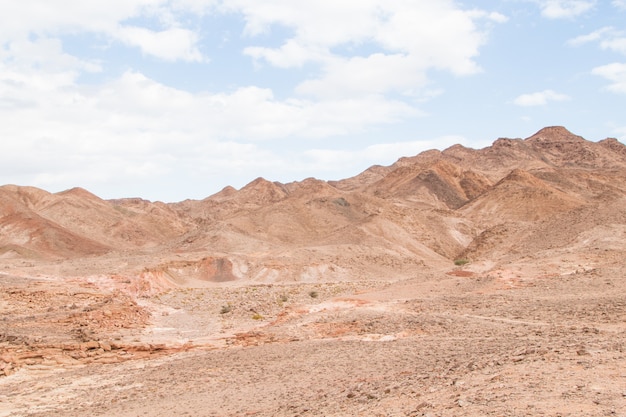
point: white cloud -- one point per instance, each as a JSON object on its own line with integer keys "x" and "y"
{"x": 406, "y": 39}
{"x": 498, "y": 17}
{"x": 375, "y": 74}
{"x": 45, "y": 54}
{"x": 616, "y": 73}
{"x": 615, "y": 44}
{"x": 614, "y": 40}
{"x": 170, "y": 45}
{"x": 45, "y": 17}
{"x": 565, "y": 9}
{"x": 322, "y": 22}
{"x": 620, "y": 4}
{"x": 492, "y": 16}
{"x": 50, "y": 18}
{"x": 607, "y": 37}
{"x": 540, "y": 98}
{"x": 594, "y": 36}
{"x": 291, "y": 54}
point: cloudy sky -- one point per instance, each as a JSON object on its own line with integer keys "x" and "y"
{"x": 175, "y": 99}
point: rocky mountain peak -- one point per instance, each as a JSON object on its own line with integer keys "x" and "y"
{"x": 553, "y": 134}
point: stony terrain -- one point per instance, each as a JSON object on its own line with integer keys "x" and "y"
{"x": 457, "y": 282}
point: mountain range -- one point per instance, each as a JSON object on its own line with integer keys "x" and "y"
{"x": 517, "y": 200}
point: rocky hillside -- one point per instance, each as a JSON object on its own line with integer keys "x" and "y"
{"x": 517, "y": 199}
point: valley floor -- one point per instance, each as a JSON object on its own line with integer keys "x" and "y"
{"x": 459, "y": 343}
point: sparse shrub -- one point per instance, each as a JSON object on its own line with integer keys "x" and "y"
{"x": 226, "y": 309}
{"x": 461, "y": 262}
{"x": 283, "y": 298}
{"x": 257, "y": 316}
{"x": 313, "y": 294}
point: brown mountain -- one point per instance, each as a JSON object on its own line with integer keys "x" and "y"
{"x": 549, "y": 191}
{"x": 76, "y": 223}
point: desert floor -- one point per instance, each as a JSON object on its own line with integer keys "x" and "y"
{"x": 477, "y": 340}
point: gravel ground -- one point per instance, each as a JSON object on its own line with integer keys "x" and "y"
{"x": 438, "y": 346}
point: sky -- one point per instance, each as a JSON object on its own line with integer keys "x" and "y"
{"x": 175, "y": 99}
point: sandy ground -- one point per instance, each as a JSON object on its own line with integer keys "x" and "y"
{"x": 507, "y": 341}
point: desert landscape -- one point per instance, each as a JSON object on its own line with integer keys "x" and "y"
{"x": 463, "y": 282}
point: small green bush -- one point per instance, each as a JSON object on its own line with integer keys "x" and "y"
{"x": 257, "y": 316}
{"x": 460, "y": 262}
{"x": 313, "y": 294}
